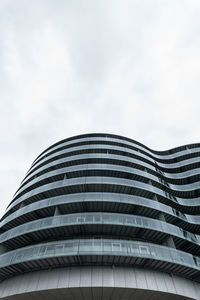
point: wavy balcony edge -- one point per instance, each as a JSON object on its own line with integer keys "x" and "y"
{"x": 104, "y": 201}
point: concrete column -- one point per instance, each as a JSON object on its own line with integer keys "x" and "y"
{"x": 22, "y": 205}
{"x": 3, "y": 249}
{"x": 161, "y": 217}
{"x": 170, "y": 242}
{"x": 155, "y": 198}
{"x": 57, "y": 211}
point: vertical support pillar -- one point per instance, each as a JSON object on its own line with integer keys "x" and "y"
{"x": 155, "y": 198}
{"x": 57, "y": 211}
{"x": 22, "y": 205}
{"x": 170, "y": 242}
{"x": 161, "y": 217}
{"x": 3, "y": 249}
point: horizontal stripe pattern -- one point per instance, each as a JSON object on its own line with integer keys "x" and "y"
{"x": 108, "y": 190}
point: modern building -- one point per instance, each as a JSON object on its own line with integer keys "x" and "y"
{"x": 100, "y": 216}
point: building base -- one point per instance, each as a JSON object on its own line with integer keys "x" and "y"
{"x": 99, "y": 283}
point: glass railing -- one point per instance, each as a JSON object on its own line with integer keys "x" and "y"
{"x": 107, "y": 181}
{"x": 99, "y": 247}
{"x": 99, "y": 218}
{"x": 44, "y": 168}
{"x": 99, "y": 197}
{"x": 96, "y": 146}
{"x": 118, "y": 148}
{"x": 118, "y": 140}
{"x": 107, "y": 167}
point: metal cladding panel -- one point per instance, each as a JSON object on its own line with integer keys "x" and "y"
{"x": 81, "y": 282}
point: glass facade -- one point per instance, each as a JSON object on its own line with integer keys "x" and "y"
{"x": 105, "y": 199}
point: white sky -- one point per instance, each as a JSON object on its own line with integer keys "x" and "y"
{"x": 130, "y": 67}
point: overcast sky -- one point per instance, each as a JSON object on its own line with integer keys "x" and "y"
{"x": 129, "y": 67}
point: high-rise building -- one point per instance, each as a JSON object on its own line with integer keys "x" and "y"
{"x": 100, "y": 216}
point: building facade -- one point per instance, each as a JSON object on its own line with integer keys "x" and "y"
{"x": 100, "y": 216}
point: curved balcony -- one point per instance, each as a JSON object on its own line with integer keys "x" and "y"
{"x": 116, "y": 159}
{"x": 117, "y": 140}
{"x": 127, "y": 226}
{"x": 106, "y": 170}
{"x": 99, "y": 251}
{"x": 105, "y": 200}
{"x": 116, "y": 150}
{"x": 103, "y": 184}
{"x": 110, "y": 202}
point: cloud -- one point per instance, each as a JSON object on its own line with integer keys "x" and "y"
{"x": 70, "y": 67}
